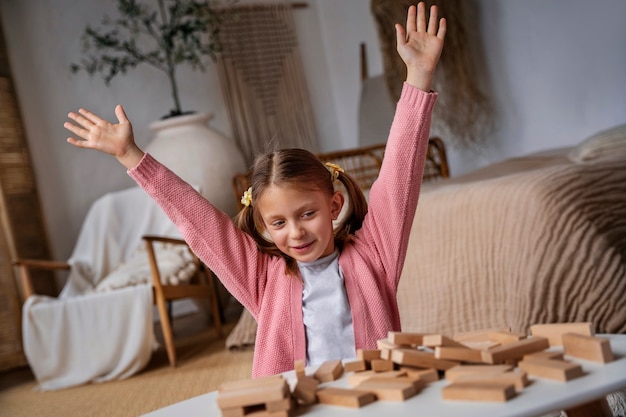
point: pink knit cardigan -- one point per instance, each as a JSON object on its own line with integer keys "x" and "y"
{"x": 371, "y": 263}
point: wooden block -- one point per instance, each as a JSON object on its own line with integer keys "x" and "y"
{"x": 345, "y": 397}
{"x": 389, "y": 389}
{"x": 505, "y": 337}
{"x": 385, "y": 344}
{"x": 385, "y": 354}
{"x": 252, "y": 395}
{"x": 481, "y": 335}
{"x": 413, "y": 357}
{"x": 453, "y": 373}
{"x": 519, "y": 379}
{"x": 274, "y": 380}
{"x": 356, "y": 378}
{"x": 299, "y": 368}
{"x": 305, "y": 390}
{"x": 381, "y": 365}
{"x": 402, "y": 338}
{"x": 432, "y": 340}
{"x": 355, "y": 366}
{"x": 554, "y": 331}
{"x": 545, "y": 354}
{"x": 551, "y": 369}
{"x": 481, "y": 345}
{"x": 426, "y": 375}
{"x": 591, "y": 348}
{"x": 478, "y": 391}
{"x": 462, "y": 354}
{"x": 329, "y": 371}
{"x": 368, "y": 355}
{"x": 282, "y": 405}
{"x": 515, "y": 350}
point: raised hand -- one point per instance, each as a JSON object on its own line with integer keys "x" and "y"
{"x": 99, "y": 134}
{"x": 420, "y": 45}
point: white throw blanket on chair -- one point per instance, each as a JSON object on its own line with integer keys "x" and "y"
{"x": 100, "y": 327}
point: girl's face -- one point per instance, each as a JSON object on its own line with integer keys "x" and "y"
{"x": 300, "y": 222}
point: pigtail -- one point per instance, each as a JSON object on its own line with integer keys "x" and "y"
{"x": 357, "y": 209}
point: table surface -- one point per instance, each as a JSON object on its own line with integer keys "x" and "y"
{"x": 540, "y": 397}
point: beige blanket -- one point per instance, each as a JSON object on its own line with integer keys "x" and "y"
{"x": 531, "y": 240}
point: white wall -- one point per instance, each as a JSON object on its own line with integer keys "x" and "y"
{"x": 557, "y": 67}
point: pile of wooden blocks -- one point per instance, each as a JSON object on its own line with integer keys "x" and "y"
{"x": 486, "y": 365}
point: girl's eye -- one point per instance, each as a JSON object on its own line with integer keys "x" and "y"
{"x": 308, "y": 214}
{"x": 277, "y": 224}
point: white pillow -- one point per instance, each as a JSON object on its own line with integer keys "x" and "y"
{"x": 607, "y": 145}
{"x": 175, "y": 264}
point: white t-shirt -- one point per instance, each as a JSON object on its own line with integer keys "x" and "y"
{"x": 326, "y": 312}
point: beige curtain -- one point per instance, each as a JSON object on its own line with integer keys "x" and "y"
{"x": 261, "y": 75}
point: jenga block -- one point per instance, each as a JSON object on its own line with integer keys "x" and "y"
{"x": 554, "y": 331}
{"x": 274, "y": 380}
{"x": 355, "y": 366}
{"x": 432, "y": 340}
{"x": 252, "y": 395}
{"x": 385, "y": 354}
{"x": 234, "y": 412}
{"x": 462, "y": 354}
{"x": 482, "y": 335}
{"x": 368, "y": 355}
{"x": 381, "y": 365}
{"x": 356, "y": 378}
{"x": 256, "y": 411}
{"x": 515, "y": 350}
{"x": 478, "y": 391}
{"x": 519, "y": 379}
{"x": 505, "y": 337}
{"x": 426, "y": 375}
{"x": 305, "y": 390}
{"x": 389, "y": 389}
{"x": 385, "y": 344}
{"x": 402, "y": 338}
{"x": 329, "y": 371}
{"x": 281, "y": 405}
{"x": 299, "y": 368}
{"x": 591, "y": 348}
{"x": 453, "y": 373}
{"x": 345, "y": 397}
{"x": 481, "y": 345}
{"x": 551, "y": 369}
{"x": 545, "y": 354}
{"x": 413, "y": 357}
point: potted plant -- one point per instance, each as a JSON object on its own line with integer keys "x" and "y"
{"x": 166, "y": 34}
{"x": 162, "y": 34}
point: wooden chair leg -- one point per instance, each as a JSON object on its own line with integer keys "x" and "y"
{"x": 166, "y": 327}
{"x": 597, "y": 408}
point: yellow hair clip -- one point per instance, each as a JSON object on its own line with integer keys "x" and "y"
{"x": 334, "y": 170}
{"x": 246, "y": 199}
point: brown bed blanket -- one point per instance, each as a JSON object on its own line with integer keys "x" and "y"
{"x": 537, "y": 239}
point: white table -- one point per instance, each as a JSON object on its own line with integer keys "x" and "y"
{"x": 540, "y": 397}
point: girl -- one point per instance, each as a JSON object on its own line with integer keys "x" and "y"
{"x": 317, "y": 293}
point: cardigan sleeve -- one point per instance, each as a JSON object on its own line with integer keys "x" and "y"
{"x": 394, "y": 195}
{"x": 210, "y": 233}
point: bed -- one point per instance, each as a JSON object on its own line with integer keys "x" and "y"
{"x": 535, "y": 239}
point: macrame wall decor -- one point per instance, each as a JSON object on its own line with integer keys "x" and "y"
{"x": 464, "y": 112}
{"x": 262, "y": 79}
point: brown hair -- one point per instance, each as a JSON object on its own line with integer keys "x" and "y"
{"x": 303, "y": 169}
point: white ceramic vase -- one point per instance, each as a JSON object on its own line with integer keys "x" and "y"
{"x": 200, "y": 155}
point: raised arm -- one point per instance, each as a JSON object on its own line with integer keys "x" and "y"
{"x": 420, "y": 45}
{"x": 115, "y": 139}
